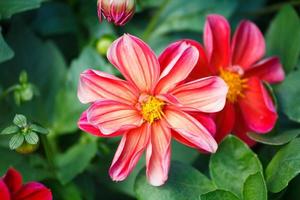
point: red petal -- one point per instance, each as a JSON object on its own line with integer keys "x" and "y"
{"x": 136, "y": 61}
{"x": 4, "y": 192}
{"x": 111, "y": 116}
{"x": 179, "y": 60}
{"x": 130, "y": 150}
{"x": 190, "y": 129}
{"x": 269, "y": 70}
{"x": 84, "y": 125}
{"x": 248, "y": 45}
{"x": 158, "y": 154}
{"x": 240, "y": 129}
{"x": 217, "y": 41}
{"x": 13, "y": 180}
{"x": 96, "y": 85}
{"x": 225, "y": 121}
{"x": 33, "y": 191}
{"x": 257, "y": 107}
{"x": 205, "y": 94}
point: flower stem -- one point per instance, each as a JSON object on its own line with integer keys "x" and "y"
{"x": 48, "y": 152}
{"x": 153, "y": 22}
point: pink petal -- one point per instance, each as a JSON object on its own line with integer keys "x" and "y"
{"x": 4, "y": 192}
{"x": 13, "y": 180}
{"x": 257, "y": 107}
{"x": 269, "y": 70}
{"x": 84, "y": 125}
{"x": 205, "y": 95}
{"x": 33, "y": 191}
{"x": 205, "y": 120}
{"x": 248, "y": 45}
{"x": 225, "y": 121}
{"x": 158, "y": 153}
{"x": 130, "y": 150}
{"x": 216, "y": 39}
{"x": 190, "y": 129}
{"x": 95, "y": 85}
{"x": 136, "y": 61}
{"x": 111, "y": 116}
{"x": 179, "y": 60}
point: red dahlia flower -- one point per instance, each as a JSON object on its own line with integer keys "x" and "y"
{"x": 249, "y": 106}
{"x": 152, "y": 101}
{"x": 11, "y": 188}
{"x": 116, "y": 11}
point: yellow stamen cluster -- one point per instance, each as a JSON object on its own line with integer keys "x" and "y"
{"x": 152, "y": 109}
{"x": 235, "y": 83}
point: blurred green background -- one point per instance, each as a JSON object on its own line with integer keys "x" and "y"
{"x": 54, "y": 41}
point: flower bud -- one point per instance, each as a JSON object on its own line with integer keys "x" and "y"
{"x": 103, "y": 44}
{"x": 117, "y": 11}
{"x": 27, "y": 148}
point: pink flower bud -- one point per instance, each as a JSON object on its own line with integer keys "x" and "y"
{"x": 117, "y": 11}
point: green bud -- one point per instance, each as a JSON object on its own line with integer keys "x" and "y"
{"x": 103, "y": 44}
{"x": 26, "y": 148}
{"x": 23, "y": 78}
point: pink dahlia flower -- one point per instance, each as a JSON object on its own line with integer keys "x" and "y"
{"x": 118, "y": 12}
{"x": 152, "y": 101}
{"x": 11, "y": 188}
{"x": 249, "y": 106}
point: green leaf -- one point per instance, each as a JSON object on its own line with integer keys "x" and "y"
{"x": 182, "y": 15}
{"x": 219, "y": 195}
{"x": 289, "y": 96}
{"x": 10, "y": 7}
{"x": 10, "y": 129}
{"x": 275, "y": 138}
{"x": 231, "y": 165}
{"x": 39, "y": 129}
{"x": 6, "y": 52}
{"x": 184, "y": 182}
{"x": 75, "y": 160}
{"x": 283, "y": 37}
{"x": 16, "y": 141}
{"x": 32, "y": 138}
{"x": 55, "y": 18}
{"x": 255, "y": 187}
{"x": 284, "y": 166}
{"x": 20, "y": 120}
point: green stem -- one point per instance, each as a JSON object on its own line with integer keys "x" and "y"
{"x": 48, "y": 152}
{"x": 154, "y": 21}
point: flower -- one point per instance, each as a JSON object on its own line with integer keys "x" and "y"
{"x": 249, "y": 106}
{"x": 117, "y": 11}
{"x": 11, "y": 188}
{"x": 152, "y": 101}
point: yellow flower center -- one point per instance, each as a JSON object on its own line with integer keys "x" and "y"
{"x": 235, "y": 83}
{"x": 152, "y": 109}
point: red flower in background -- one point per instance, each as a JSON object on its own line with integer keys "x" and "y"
{"x": 11, "y": 188}
{"x": 118, "y": 12}
{"x": 249, "y": 106}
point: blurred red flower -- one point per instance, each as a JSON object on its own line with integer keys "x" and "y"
{"x": 11, "y": 188}
{"x": 249, "y": 106}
